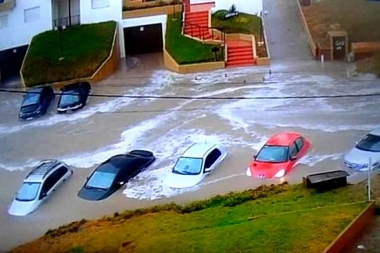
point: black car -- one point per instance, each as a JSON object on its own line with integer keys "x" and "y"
{"x": 36, "y": 102}
{"x": 114, "y": 173}
{"x": 74, "y": 97}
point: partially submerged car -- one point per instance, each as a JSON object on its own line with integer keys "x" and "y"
{"x": 278, "y": 156}
{"x": 368, "y": 147}
{"x": 74, "y": 97}
{"x": 114, "y": 173}
{"x": 36, "y": 102}
{"x": 195, "y": 164}
{"x": 38, "y": 186}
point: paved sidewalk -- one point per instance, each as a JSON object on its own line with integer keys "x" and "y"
{"x": 284, "y": 31}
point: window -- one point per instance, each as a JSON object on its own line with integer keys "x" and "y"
{"x": 212, "y": 157}
{"x": 50, "y": 181}
{"x": 293, "y": 150}
{"x": 32, "y": 14}
{"x": 101, "y": 180}
{"x": 3, "y": 21}
{"x": 188, "y": 166}
{"x": 97, "y": 4}
{"x": 28, "y": 191}
{"x": 369, "y": 143}
{"x": 273, "y": 154}
{"x": 299, "y": 143}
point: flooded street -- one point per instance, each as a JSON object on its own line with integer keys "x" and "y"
{"x": 113, "y": 124}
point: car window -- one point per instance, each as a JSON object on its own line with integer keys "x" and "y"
{"x": 293, "y": 151}
{"x": 188, "y": 166}
{"x": 101, "y": 180}
{"x": 30, "y": 98}
{"x": 369, "y": 143}
{"x": 28, "y": 191}
{"x": 212, "y": 157}
{"x": 299, "y": 143}
{"x": 69, "y": 97}
{"x": 50, "y": 181}
{"x": 61, "y": 171}
{"x": 272, "y": 154}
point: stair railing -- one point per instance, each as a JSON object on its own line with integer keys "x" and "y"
{"x": 203, "y": 31}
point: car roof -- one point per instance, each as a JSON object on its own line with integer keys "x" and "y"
{"x": 198, "y": 150}
{"x": 117, "y": 162}
{"x": 376, "y": 131}
{"x": 282, "y": 139}
{"x": 39, "y": 172}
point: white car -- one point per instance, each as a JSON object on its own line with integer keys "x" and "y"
{"x": 39, "y": 184}
{"x": 368, "y": 147}
{"x": 195, "y": 164}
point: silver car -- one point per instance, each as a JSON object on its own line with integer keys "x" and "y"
{"x": 38, "y": 186}
{"x": 368, "y": 147}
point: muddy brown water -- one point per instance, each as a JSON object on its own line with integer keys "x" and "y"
{"x": 109, "y": 126}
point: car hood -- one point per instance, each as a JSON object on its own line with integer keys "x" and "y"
{"x": 265, "y": 170}
{"x": 361, "y": 157}
{"x": 93, "y": 194}
{"x": 183, "y": 181}
{"x": 21, "y": 208}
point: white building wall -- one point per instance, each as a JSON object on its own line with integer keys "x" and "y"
{"x": 247, "y": 6}
{"x": 17, "y": 32}
{"x": 132, "y": 22}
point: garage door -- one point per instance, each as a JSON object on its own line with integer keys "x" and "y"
{"x": 11, "y": 61}
{"x": 143, "y": 39}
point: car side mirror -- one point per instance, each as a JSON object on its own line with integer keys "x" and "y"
{"x": 120, "y": 183}
{"x": 207, "y": 170}
{"x": 43, "y": 195}
{"x": 254, "y": 156}
{"x": 292, "y": 158}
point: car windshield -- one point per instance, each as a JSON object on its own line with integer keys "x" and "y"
{"x": 101, "y": 180}
{"x": 369, "y": 143}
{"x": 273, "y": 154}
{"x": 31, "y": 98}
{"x": 188, "y": 166}
{"x": 28, "y": 191}
{"x": 69, "y": 97}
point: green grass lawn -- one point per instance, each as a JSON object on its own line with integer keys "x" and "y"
{"x": 284, "y": 218}
{"x": 185, "y": 50}
{"x": 84, "y": 49}
{"x": 244, "y": 23}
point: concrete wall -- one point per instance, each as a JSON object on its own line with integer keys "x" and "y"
{"x": 171, "y": 64}
{"x": 17, "y": 32}
{"x": 132, "y": 22}
{"x": 246, "y": 6}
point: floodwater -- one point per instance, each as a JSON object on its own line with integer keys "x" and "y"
{"x": 112, "y": 125}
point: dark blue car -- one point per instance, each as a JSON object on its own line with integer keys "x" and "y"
{"x": 74, "y": 97}
{"x": 114, "y": 173}
{"x": 36, "y": 102}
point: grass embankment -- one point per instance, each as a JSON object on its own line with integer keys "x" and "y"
{"x": 279, "y": 218}
{"x": 185, "y": 50}
{"x": 84, "y": 49}
{"x": 244, "y": 23}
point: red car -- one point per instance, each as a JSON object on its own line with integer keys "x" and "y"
{"x": 278, "y": 156}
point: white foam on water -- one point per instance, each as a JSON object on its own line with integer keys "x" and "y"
{"x": 150, "y": 184}
{"x": 313, "y": 159}
{"x": 324, "y": 127}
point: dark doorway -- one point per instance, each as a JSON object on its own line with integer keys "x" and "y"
{"x": 339, "y": 48}
{"x": 11, "y": 61}
{"x": 143, "y": 39}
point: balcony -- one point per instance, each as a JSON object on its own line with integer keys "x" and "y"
{"x": 66, "y": 21}
{"x": 141, "y": 8}
{"x": 6, "y": 5}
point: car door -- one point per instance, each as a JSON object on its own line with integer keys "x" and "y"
{"x": 48, "y": 186}
{"x": 300, "y": 143}
{"x": 293, "y": 153}
{"x": 60, "y": 174}
{"x": 212, "y": 160}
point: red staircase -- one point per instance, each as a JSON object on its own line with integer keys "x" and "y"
{"x": 239, "y": 54}
{"x": 196, "y": 25}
